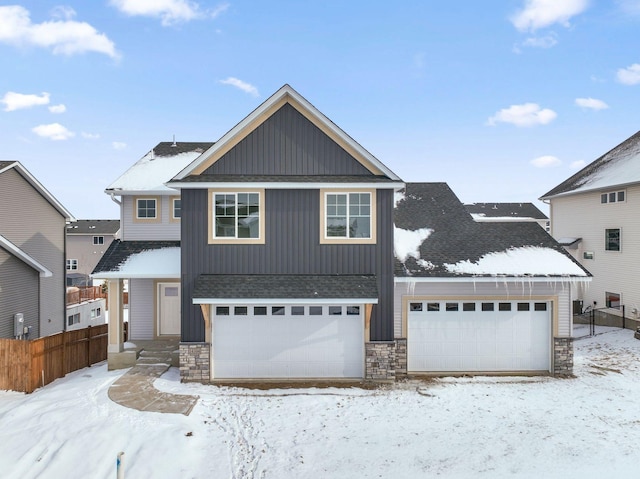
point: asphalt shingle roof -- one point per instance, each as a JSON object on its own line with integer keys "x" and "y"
{"x": 284, "y": 178}
{"x": 119, "y": 251}
{"x": 285, "y": 286}
{"x": 455, "y": 235}
{"x": 93, "y": 227}
{"x": 506, "y": 210}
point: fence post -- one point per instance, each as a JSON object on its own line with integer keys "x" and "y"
{"x": 89, "y": 336}
{"x": 623, "y": 317}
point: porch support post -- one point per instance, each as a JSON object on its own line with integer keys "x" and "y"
{"x": 368, "y": 308}
{"x": 206, "y": 315}
{"x": 116, "y": 316}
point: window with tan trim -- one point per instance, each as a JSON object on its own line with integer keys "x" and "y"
{"x": 236, "y": 216}
{"x": 146, "y": 209}
{"x": 176, "y": 209}
{"x": 347, "y": 216}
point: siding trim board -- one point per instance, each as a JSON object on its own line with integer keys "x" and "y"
{"x": 24, "y": 257}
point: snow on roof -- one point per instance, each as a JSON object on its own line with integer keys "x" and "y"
{"x": 154, "y": 263}
{"x": 481, "y": 217}
{"x": 523, "y": 261}
{"x": 407, "y": 243}
{"x": 153, "y": 170}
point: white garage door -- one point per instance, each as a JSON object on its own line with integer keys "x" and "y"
{"x": 288, "y": 342}
{"x": 480, "y": 336}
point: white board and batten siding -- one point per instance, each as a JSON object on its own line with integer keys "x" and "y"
{"x": 141, "y": 309}
{"x": 132, "y": 230}
{"x": 583, "y": 216}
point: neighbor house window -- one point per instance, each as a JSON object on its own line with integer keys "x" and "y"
{"x": 613, "y": 197}
{"x": 98, "y": 240}
{"x": 237, "y": 217}
{"x": 72, "y": 264}
{"x": 612, "y": 300}
{"x": 176, "y": 208}
{"x": 612, "y": 239}
{"x": 146, "y": 208}
{"x": 73, "y": 319}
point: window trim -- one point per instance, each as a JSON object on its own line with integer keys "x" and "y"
{"x": 158, "y": 217}
{"x": 211, "y": 220}
{"x": 98, "y": 243}
{"x": 172, "y": 209}
{"x": 605, "y": 197}
{"x": 70, "y": 263}
{"x": 606, "y": 240}
{"x": 607, "y": 301}
{"x": 323, "y": 216}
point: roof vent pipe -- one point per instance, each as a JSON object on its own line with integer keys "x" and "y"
{"x": 174, "y": 142}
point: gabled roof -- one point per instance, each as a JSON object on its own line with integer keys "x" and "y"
{"x": 93, "y": 227}
{"x": 436, "y": 237}
{"x": 284, "y": 95}
{"x": 150, "y": 173}
{"x": 306, "y": 288}
{"x": 505, "y": 212}
{"x": 618, "y": 167}
{"x": 139, "y": 259}
{"x": 17, "y": 166}
{"x": 25, "y": 257}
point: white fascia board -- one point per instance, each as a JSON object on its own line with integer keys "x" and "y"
{"x": 167, "y": 192}
{"x": 282, "y": 302}
{"x": 124, "y": 275}
{"x": 289, "y": 185}
{"x": 493, "y": 279}
{"x": 18, "y": 253}
{"x": 286, "y": 90}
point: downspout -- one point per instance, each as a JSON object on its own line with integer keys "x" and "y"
{"x": 121, "y": 213}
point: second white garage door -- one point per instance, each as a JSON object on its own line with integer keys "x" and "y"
{"x": 478, "y": 336}
{"x": 288, "y": 342}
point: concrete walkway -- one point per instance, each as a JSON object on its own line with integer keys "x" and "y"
{"x": 135, "y": 389}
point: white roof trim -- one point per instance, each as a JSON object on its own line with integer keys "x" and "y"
{"x": 286, "y": 301}
{"x": 119, "y": 192}
{"x": 286, "y": 90}
{"x": 492, "y": 279}
{"x": 41, "y": 189}
{"x": 287, "y": 186}
{"x": 18, "y": 253}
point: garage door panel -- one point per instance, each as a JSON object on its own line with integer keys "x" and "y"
{"x": 502, "y": 339}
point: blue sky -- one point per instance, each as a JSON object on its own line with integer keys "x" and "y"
{"x": 503, "y": 100}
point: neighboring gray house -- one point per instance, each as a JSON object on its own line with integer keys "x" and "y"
{"x": 87, "y": 240}
{"x": 596, "y": 214}
{"x": 32, "y": 254}
{"x": 281, "y": 264}
{"x": 501, "y": 212}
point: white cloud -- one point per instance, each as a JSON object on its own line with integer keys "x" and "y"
{"x": 543, "y": 13}
{"x": 118, "y": 145}
{"x": 63, "y": 37}
{"x": 53, "y": 131}
{"x": 58, "y": 108}
{"x": 244, "y": 86}
{"x": 18, "y": 101}
{"x": 170, "y": 12}
{"x": 629, "y": 7}
{"x": 629, "y": 75}
{"x": 546, "y": 161}
{"x": 90, "y": 136}
{"x": 591, "y": 103}
{"x": 527, "y": 114}
{"x": 577, "y": 165}
{"x": 547, "y": 41}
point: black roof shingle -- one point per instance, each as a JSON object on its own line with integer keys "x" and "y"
{"x": 119, "y": 251}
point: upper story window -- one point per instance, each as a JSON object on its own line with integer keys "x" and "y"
{"x": 612, "y": 239}
{"x": 613, "y": 197}
{"x": 236, "y": 216}
{"x": 98, "y": 240}
{"x": 347, "y": 216}
{"x": 176, "y": 209}
{"x": 147, "y": 209}
{"x": 72, "y": 264}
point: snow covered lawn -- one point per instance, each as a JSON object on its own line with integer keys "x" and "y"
{"x": 455, "y": 427}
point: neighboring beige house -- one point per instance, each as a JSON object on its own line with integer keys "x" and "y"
{"x": 503, "y": 212}
{"x": 32, "y": 259}
{"x": 596, "y": 215}
{"x": 87, "y": 240}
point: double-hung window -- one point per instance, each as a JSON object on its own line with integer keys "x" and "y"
{"x": 176, "y": 209}
{"x": 237, "y": 217}
{"x": 612, "y": 239}
{"x": 348, "y": 216}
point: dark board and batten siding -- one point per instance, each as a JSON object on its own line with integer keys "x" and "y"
{"x": 287, "y": 144}
{"x": 292, "y": 246}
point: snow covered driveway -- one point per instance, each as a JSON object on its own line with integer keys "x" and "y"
{"x": 456, "y": 427}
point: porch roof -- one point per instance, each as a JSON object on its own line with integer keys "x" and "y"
{"x": 139, "y": 259}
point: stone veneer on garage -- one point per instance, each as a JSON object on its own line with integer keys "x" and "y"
{"x": 380, "y": 361}
{"x": 562, "y": 356}
{"x": 195, "y": 362}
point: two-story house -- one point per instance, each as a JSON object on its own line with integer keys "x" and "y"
{"x": 87, "y": 240}
{"x": 32, "y": 255}
{"x": 281, "y": 262}
{"x": 595, "y": 213}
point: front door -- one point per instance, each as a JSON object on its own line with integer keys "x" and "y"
{"x": 168, "y": 309}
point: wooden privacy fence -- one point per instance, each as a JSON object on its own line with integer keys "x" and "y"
{"x": 27, "y": 365}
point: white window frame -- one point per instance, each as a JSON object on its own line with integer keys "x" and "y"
{"x": 147, "y": 219}
{"x": 325, "y": 239}
{"x": 606, "y": 240}
{"x": 606, "y": 198}
{"x": 214, "y": 239}
{"x": 173, "y": 209}
{"x": 98, "y": 240}
{"x": 72, "y": 265}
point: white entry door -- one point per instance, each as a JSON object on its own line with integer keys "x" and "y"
{"x": 478, "y": 336}
{"x": 168, "y": 309}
